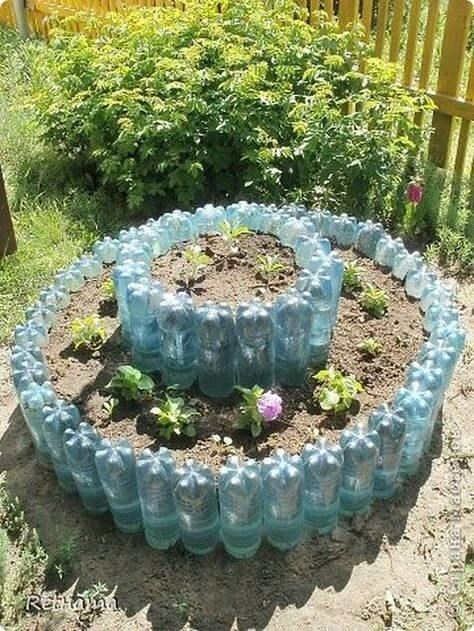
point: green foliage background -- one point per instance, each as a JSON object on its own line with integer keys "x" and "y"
{"x": 185, "y": 107}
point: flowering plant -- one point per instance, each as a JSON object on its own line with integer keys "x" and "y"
{"x": 414, "y": 195}
{"x": 258, "y": 407}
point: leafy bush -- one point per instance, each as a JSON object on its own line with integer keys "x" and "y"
{"x": 87, "y": 332}
{"x": 130, "y": 383}
{"x": 370, "y": 347}
{"x": 338, "y": 391}
{"x": 173, "y": 416}
{"x": 352, "y": 277}
{"x": 374, "y": 301}
{"x": 250, "y": 102}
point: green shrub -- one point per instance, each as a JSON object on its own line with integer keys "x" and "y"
{"x": 185, "y": 107}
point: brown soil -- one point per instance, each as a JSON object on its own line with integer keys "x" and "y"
{"x": 83, "y": 376}
{"x": 231, "y": 277}
{"x": 400, "y": 569}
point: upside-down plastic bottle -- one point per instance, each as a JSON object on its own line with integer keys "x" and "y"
{"x": 322, "y": 463}
{"x": 80, "y": 446}
{"x": 196, "y": 504}
{"x": 360, "y": 446}
{"x": 116, "y": 467}
{"x": 155, "y": 478}
{"x": 255, "y": 345}
{"x": 177, "y": 326}
{"x": 283, "y": 486}
{"x": 216, "y": 349}
{"x": 240, "y": 501}
{"x": 391, "y": 427}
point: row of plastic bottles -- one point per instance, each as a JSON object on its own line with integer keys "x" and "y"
{"x": 263, "y": 343}
{"x": 285, "y": 494}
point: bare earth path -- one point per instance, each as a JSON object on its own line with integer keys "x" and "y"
{"x": 396, "y": 570}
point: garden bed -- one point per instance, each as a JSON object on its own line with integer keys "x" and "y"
{"x": 82, "y": 376}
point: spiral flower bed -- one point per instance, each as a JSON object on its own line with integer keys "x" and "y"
{"x": 218, "y": 347}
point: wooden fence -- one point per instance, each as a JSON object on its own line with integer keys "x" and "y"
{"x": 431, "y": 41}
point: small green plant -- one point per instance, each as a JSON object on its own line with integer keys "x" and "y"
{"x": 374, "y": 301}
{"x": 62, "y": 561}
{"x": 110, "y": 406}
{"x": 269, "y": 266}
{"x": 258, "y": 407}
{"x": 130, "y": 383}
{"x": 233, "y": 233}
{"x": 197, "y": 260}
{"x": 88, "y": 332}
{"x": 4, "y": 553}
{"x": 108, "y": 289}
{"x": 370, "y": 347}
{"x": 337, "y": 391}
{"x": 222, "y": 443}
{"x": 27, "y": 566}
{"x": 174, "y": 416}
{"x": 352, "y": 278}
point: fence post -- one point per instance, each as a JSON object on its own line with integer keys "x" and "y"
{"x": 7, "y": 235}
{"x": 348, "y": 12}
{"x": 456, "y": 32}
{"x": 19, "y": 8}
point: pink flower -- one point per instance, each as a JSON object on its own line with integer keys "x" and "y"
{"x": 415, "y": 192}
{"x": 269, "y": 406}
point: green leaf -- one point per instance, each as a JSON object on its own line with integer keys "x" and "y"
{"x": 255, "y": 430}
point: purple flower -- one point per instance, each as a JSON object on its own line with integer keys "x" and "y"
{"x": 415, "y": 192}
{"x": 269, "y": 406}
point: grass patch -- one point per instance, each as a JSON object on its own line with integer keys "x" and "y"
{"x": 56, "y": 210}
{"x": 24, "y": 554}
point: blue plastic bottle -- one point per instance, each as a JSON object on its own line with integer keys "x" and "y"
{"x": 391, "y": 427}
{"x": 106, "y": 250}
{"x": 360, "y": 446}
{"x": 367, "y": 238}
{"x": 283, "y": 486}
{"x": 431, "y": 378}
{"x": 30, "y": 334}
{"x": 177, "y": 326}
{"x": 71, "y": 279}
{"x": 90, "y": 266}
{"x": 255, "y": 351}
{"x": 143, "y": 299}
{"x": 54, "y": 426}
{"x": 196, "y": 504}
{"x": 417, "y": 406}
{"x": 320, "y": 289}
{"x": 155, "y": 478}
{"x": 32, "y": 401}
{"x": 293, "y": 316}
{"x": 404, "y": 263}
{"x": 27, "y": 372}
{"x": 322, "y": 463}
{"x": 80, "y": 446}
{"x": 116, "y": 467}
{"x": 437, "y": 313}
{"x": 344, "y": 230}
{"x": 124, "y": 274}
{"x": 216, "y": 349}
{"x": 387, "y": 249}
{"x": 240, "y": 501}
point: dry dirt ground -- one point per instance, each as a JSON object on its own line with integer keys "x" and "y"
{"x": 399, "y": 569}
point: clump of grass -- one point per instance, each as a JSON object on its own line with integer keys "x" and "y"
{"x": 62, "y": 561}
{"x": 27, "y": 560}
